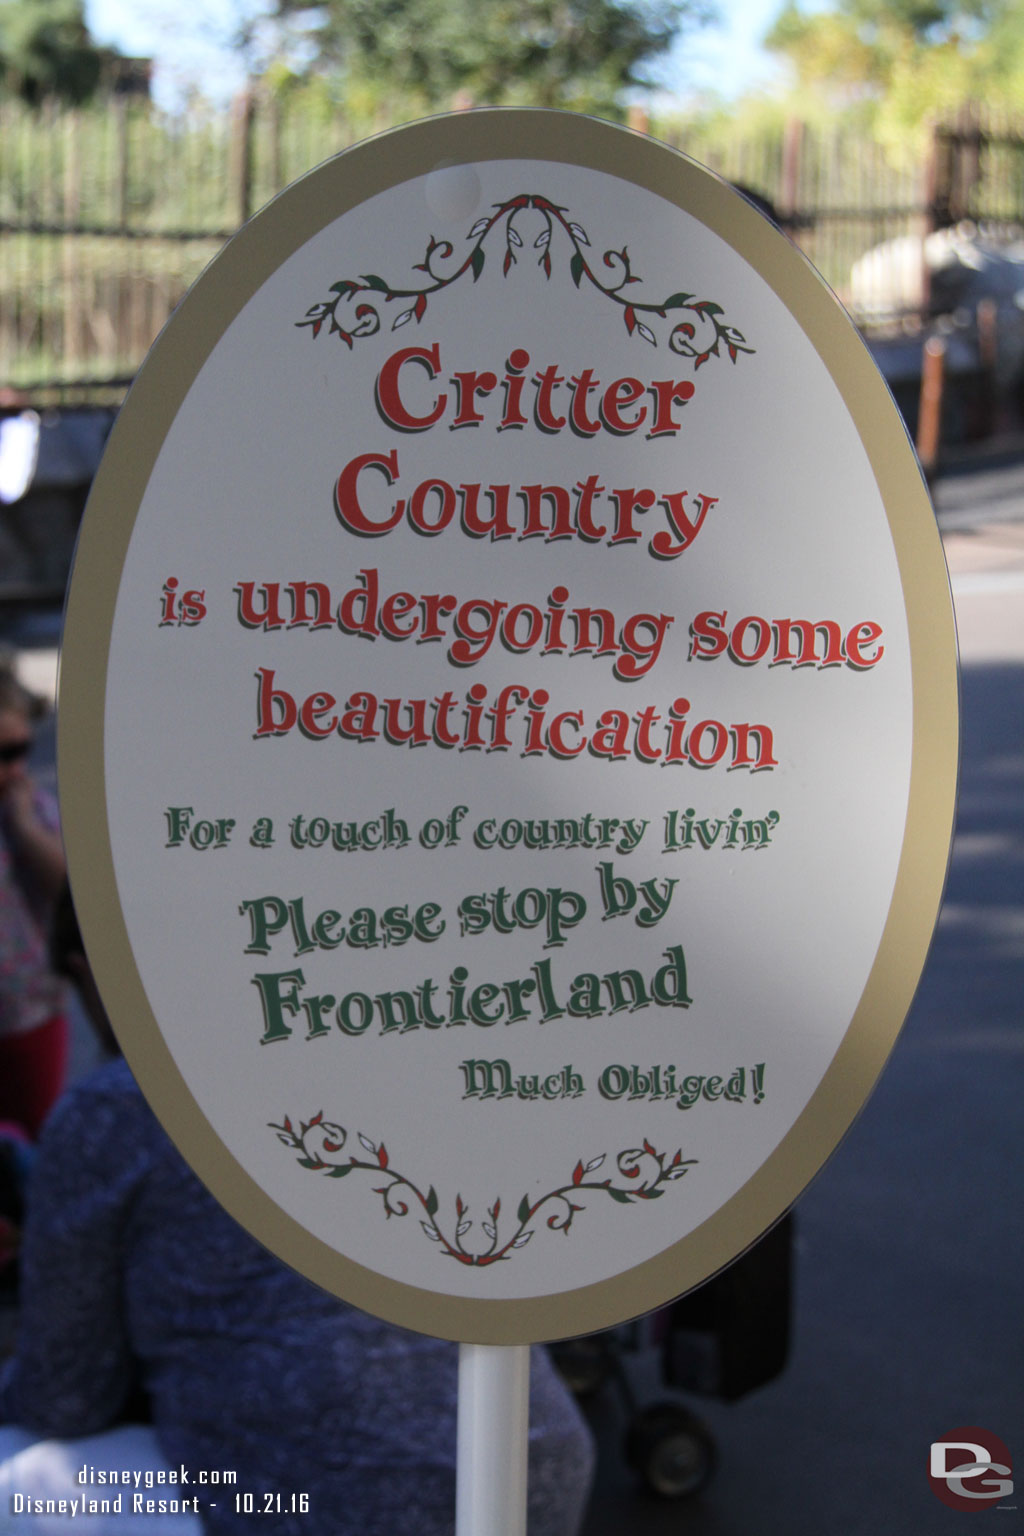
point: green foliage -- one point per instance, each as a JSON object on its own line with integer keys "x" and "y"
{"x": 46, "y": 52}
{"x": 905, "y": 63}
{"x": 823, "y": 48}
{"x": 582, "y": 54}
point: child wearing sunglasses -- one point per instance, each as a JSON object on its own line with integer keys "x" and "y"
{"x": 33, "y": 1024}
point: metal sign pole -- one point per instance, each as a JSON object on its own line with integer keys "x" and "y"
{"x": 494, "y": 1410}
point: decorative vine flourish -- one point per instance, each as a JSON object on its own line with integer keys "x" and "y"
{"x": 348, "y": 316}
{"x": 642, "y": 1170}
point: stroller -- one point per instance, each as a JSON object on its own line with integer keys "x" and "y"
{"x": 722, "y": 1340}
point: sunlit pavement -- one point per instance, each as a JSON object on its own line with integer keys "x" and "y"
{"x": 987, "y": 577}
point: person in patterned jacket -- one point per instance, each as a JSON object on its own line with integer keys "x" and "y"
{"x": 334, "y": 1423}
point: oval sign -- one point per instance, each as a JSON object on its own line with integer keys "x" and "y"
{"x": 508, "y": 725}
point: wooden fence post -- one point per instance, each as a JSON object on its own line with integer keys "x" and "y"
{"x": 121, "y": 143}
{"x": 273, "y": 109}
{"x": 72, "y": 303}
{"x": 792, "y": 158}
{"x": 936, "y": 198}
{"x": 929, "y": 416}
{"x": 988, "y": 358}
{"x": 243, "y": 113}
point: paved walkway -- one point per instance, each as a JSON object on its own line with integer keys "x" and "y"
{"x": 986, "y": 568}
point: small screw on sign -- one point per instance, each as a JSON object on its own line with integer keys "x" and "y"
{"x": 970, "y": 1468}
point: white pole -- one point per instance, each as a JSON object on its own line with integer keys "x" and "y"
{"x": 494, "y": 1412}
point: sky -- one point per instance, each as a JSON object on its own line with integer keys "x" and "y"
{"x": 190, "y": 46}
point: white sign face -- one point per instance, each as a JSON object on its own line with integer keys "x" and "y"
{"x": 512, "y": 764}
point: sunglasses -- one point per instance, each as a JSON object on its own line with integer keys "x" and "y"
{"x": 14, "y": 751}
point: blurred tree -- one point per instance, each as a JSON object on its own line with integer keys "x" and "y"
{"x": 583, "y": 54}
{"x": 906, "y": 60}
{"x": 46, "y": 51}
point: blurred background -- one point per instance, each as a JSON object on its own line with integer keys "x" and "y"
{"x": 886, "y": 138}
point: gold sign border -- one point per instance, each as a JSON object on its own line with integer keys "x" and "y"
{"x": 190, "y": 336}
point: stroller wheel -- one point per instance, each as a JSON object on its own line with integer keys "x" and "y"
{"x": 671, "y": 1449}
